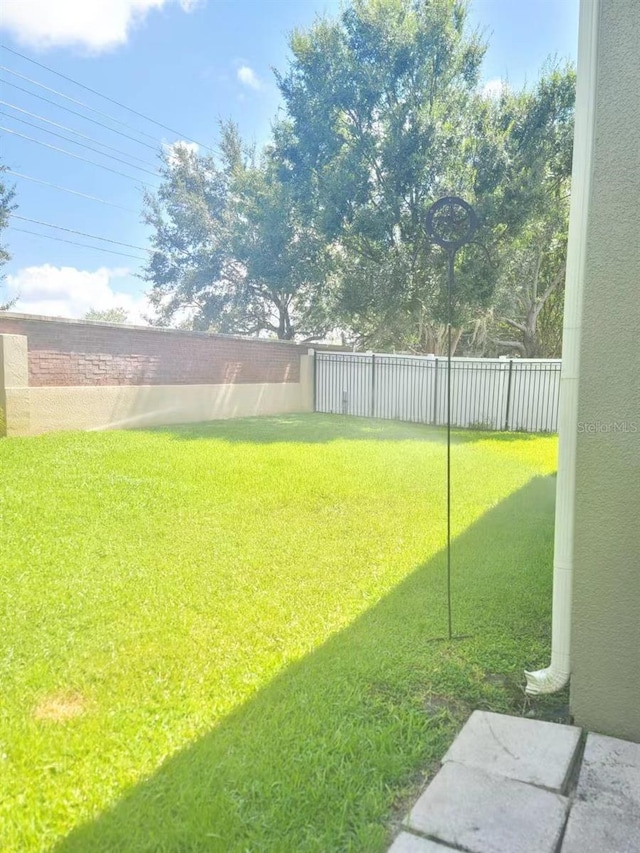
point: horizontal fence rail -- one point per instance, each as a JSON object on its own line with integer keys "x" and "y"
{"x": 497, "y": 394}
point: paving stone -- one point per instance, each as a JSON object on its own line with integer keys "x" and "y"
{"x": 610, "y": 774}
{"x": 407, "y": 843}
{"x": 597, "y": 829}
{"x": 483, "y": 813}
{"x": 530, "y": 751}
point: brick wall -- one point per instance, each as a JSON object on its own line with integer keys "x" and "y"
{"x": 73, "y": 353}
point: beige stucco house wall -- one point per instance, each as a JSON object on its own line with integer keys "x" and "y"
{"x": 605, "y": 619}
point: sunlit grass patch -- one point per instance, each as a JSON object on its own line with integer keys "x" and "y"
{"x": 221, "y": 637}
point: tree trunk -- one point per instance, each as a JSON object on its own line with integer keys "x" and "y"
{"x": 530, "y": 335}
{"x": 531, "y": 344}
{"x": 434, "y": 339}
{"x": 286, "y": 331}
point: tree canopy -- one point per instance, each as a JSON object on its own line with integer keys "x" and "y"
{"x": 325, "y": 228}
{"x": 527, "y": 311}
{"x": 230, "y": 246}
{"x": 117, "y": 314}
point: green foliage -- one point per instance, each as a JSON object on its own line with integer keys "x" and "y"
{"x": 285, "y": 265}
{"x": 189, "y": 269}
{"x": 7, "y": 195}
{"x": 379, "y": 103}
{"x": 108, "y": 315}
{"x": 528, "y": 302}
{"x": 384, "y": 118}
{"x": 326, "y": 228}
{"x": 220, "y": 636}
{"x": 231, "y": 248}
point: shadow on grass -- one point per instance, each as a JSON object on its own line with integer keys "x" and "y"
{"x": 325, "y": 756}
{"x": 320, "y": 428}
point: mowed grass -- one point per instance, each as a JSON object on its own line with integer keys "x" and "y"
{"x": 225, "y": 637}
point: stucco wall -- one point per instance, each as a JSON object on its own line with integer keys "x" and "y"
{"x": 14, "y": 386}
{"x": 64, "y": 375}
{"x": 127, "y": 406}
{"x": 605, "y": 679}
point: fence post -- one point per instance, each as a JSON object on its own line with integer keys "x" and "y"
{"x": 506, "y": 415}
{"x": 314, "y": 355}
{"x": 373, "y": 385}
{"x": 435, "y": 392}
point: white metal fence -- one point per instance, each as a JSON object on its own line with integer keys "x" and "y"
{"x": 499, "y": 394}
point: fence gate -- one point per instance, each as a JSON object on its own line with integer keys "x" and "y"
{"x": 499, "y": 394}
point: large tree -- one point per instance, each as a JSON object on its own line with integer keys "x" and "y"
{"x": 231, "y": 248}
{"x": 189, "y": 266}
{"x": 379, "y": 103}
{"x": 284, "y": 267}
{"x": 326, "y": 228}
{"x": 385, "y": 116}
{"x": 527, "y": 314}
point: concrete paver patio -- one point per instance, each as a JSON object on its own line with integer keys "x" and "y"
{"x": 514, "y": 785}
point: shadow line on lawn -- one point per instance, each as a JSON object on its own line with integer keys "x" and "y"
{"x": 320, "y": 428}
{"x": 324, "y": 756}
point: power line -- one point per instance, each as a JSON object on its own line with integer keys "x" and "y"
{"x": 75, "y": 101}
{"x": 106, "y": 97}
{"x": 75, "y": 243}
{"x": 80, "y": 115}
{"x": 80, "y": 144}
{"x": 81, "y": 233}
{"x": 68, "y": 190}
{"x": 72, "y": 130}
{"x": 77, "y": 157}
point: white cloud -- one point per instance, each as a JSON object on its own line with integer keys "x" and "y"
{"x": 94, "y": 25}
{"x": 70, "y": 292}
{"x": 248, "y": 77}
{"x": 493, "y": 88}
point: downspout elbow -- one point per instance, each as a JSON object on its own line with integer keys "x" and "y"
{"x": 556, "y": 675}
{"x": 548, "y": 680}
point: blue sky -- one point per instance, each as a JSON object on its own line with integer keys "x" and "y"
{"x": 186, "y": 63}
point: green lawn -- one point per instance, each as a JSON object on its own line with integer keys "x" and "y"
{"x": 225, "y": 637}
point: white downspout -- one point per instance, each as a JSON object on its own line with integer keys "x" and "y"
{"x": 555, "y": 676}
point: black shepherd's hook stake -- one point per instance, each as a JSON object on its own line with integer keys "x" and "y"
{"x": 451, "y": 223}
